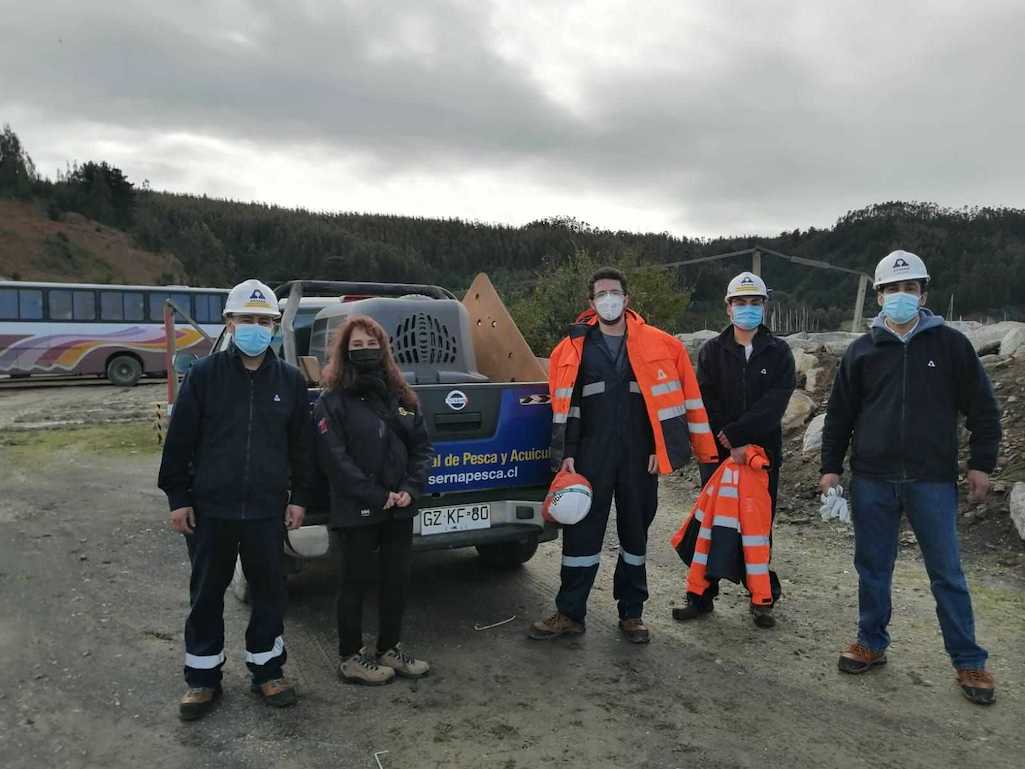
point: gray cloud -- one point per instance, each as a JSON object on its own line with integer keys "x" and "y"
{"x": 744, "y": 117}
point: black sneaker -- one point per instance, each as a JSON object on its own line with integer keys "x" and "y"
{"x": 762, "y": 616}
{"x": 693, "y": 610}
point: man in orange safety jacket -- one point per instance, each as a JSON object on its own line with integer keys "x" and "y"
{"x": 625, "y": 406}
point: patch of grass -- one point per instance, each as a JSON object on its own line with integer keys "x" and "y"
{"x": 62, "y": 255}
{"x": 103, "y": 440}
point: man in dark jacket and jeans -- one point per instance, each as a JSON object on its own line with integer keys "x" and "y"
{"x": 747, "y": 377}
{"x": 899, "y": 391}
{"x": 239, "y": 440}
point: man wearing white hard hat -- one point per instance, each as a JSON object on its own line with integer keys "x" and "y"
{"x": 236, "y": 469}
{"x": 899, "y": 393}
{"x": 747, "y": 377}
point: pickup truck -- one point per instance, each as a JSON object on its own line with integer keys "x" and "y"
{"x": 491, "y": 470}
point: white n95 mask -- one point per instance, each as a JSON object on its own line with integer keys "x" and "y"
{"x": 610, "y": 307}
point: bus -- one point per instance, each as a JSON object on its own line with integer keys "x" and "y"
{"x": 82, "y": 329}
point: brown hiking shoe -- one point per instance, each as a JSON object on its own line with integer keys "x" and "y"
{"x": 977, "y": 685}
{"x": 860, "y": 659}
{"x": 363, "y": 668}
{"x": 280, "y": 693}
{"x": 762, "y": 616}
{"x": 555, "y": 626}
{"x": 198, "y": 701}
{"x": 405, "y": 665}
{"x": 635, "y": 630}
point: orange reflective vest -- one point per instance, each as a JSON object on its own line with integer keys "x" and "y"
{"x": 667, "y": 383}
{"x": 732, "y": 513}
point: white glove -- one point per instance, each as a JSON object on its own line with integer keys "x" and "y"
{"x": 834, "y": 506}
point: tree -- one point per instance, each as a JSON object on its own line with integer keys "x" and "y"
{"x": 17, "y": 171}
{"x": 559, "y": 294}
{"x": 97, "y": 190}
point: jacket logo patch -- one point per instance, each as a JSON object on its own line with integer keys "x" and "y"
{"x": 661, "y": 374}
{"x": 403, "y": 412}
{"x": 277, "y": 398}
{"x": 764, "y": 371}
{"x": 932, "y": 365}
{"x": 323, "y": 426}
{"x": 365, "y": 512}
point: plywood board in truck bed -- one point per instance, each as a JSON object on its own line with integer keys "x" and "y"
{"x": 503, "y": 355}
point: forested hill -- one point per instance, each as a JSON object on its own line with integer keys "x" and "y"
{"x": 978, "y": 254}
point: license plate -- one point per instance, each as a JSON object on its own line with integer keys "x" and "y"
{"x": 441, "y": 520}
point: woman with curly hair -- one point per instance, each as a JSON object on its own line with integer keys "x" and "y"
{"x": 372, "y": 445}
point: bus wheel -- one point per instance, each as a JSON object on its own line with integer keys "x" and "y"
{"x": 507, "y": 555}
{"x": 124, "y": 370}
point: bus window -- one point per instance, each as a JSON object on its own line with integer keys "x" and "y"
{"x": 8, "y": 303}
{"x": 85, "y": 305}
{"x": 156, "y": 306}
{"x": 134, "y": 309}
{"x": 111, "y": 306}
{"x": 31, "y": 300}
{"x": 60, "y": 304}
{"x": 184, "y": 302}
{"x": 204, "y": 310}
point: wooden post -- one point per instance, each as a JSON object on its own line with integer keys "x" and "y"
{"x": 170, "y": 348}
{"x": 756, "y": 262}
{"x": 859, "y": 305}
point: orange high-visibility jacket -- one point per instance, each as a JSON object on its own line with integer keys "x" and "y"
{"x": 733, "y": 513}
{"x": 667, "y": 383}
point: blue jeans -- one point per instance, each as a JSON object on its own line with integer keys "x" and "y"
{"x": 931, "y": 509}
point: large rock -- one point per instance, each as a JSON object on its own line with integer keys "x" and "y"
{"x": 1013, "y": 343}
{"x": 1018, "y": 508}
{"x": 813, "y": 435}
{"x": 695, "y": 339}
{"x": 987, "y": 339}
{"x": 798, "y": 410}
{"x": 833, "y": 342}
{"x": 815, "y": 379}
{"x": 804, "y": 362}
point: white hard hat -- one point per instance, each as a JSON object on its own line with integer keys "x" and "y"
{"x": 251, "y": 297}
{"x": 568, "y": 500}
{"x": 897, "y": 266}
{"x": 746, "y": 284}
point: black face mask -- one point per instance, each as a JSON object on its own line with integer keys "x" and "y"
{"x": 366, "y": 358}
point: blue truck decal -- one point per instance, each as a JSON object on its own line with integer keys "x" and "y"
{"x": 516, "y": 455}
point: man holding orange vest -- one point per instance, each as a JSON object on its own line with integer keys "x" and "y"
{"x": 747, "y": 377}
{"x": 626, "y": 406}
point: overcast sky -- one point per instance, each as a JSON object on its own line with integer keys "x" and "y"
{"x": 699, "y": 118}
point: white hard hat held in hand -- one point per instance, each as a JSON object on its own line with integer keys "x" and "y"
{"x": 898, "y": 266}
{"x": 746, "y": 284}
{"x": 251, "y": 297}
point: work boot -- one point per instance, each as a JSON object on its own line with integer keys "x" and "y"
{"x": 278, "y": 692}
{"x": 555, "y": 626}
{"x": 198, "y": 701}
{"x": 762, "y": 616}
{"x": 403, "y": 664}
{"x": 693, "y": 610}
{"x": 860, "y": 659}
{"x": 361, "y": 668}
{"x": 977, "y": 685}
{"x": 635, "y": 630}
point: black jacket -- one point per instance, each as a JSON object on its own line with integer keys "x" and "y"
{"x": 608, "y": 417}
{"x": 366, "y": 449}
{"x": 901, "y": 403}
{"x": 747, "y": 398}
{"x": 239, "y": 440}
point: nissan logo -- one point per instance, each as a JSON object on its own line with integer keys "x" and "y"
{"x": 456, "y": 400}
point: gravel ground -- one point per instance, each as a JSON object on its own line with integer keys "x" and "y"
{"x": 93, "y": 596}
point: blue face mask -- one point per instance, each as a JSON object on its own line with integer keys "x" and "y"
{"x": 252, "y": 339}
{"x": 899, "y": 307}
{"x": 748, "y": 317}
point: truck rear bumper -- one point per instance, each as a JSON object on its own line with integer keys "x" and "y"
{"x": 509, "y": 523}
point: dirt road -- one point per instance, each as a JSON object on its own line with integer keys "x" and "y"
{"x": 93, "y": 597}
